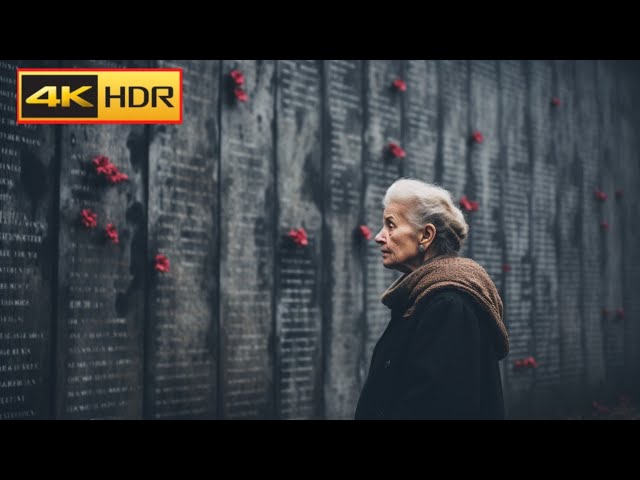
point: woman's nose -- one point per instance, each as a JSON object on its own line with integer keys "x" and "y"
{"x": 379, "y": 238}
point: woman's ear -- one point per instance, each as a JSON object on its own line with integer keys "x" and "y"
{"x": 428, "y": 235}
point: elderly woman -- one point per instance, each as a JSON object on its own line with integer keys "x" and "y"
{"x": 438, "y": 357}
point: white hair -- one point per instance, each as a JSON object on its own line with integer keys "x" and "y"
{"x": 430, "y": 203}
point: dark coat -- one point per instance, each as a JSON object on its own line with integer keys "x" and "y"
{"x": 438, "y": 364}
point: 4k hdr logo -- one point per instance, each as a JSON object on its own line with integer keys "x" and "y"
{"x": 100, "y": 95}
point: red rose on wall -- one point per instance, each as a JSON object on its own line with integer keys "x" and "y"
{"x": 555, "y": 101}
{"x": 162, "y": 263}
{"x": 102, "y": 164}
{"x": 238, "y": 77}
{"x": 526, "y": 362}
{"x": 400, "y": 85}
{"x": 299, "y": 237}
{"x": 107, "y": 169}
{"x": 477, "y": 137}
{"x": 117, "y": 177}
{"x": 396, "y": 150}
{"x": 600, "y": 195}
{"x": 468, "y": 205}
{"x": 240, "y": 94}
{"x": 365, "y": 232}
{"x": 89, "y": 218}
{"x": 112, "y": 233}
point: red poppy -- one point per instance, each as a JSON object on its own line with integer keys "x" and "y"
{"x": 299, "y": 237}
{"x": 555, "y": 101}
{"x": 400, "y": 85}
{"x": 103, "y": 165}
{"x": 506, "y": 268}
{"x": 365, "y": 232}
{"x": 109, "y": 170}
{"x": 478, "y": 137}
{"x": 238, "y": 77}
{"x": 162, "y": 263}
{"x": 604, "y": 225}
{"x": 240, "y": 94}
{"x": 112, "y": 233}
{"x": 526, "y": 362}
{"x": 465, "y": 204}
{"x": 468, "y": 205}
{"x": 396, "y": 150}
{"x": 117, "y": 177}
{"x": 600, "y": 195}
{"x": 89, "y": 218}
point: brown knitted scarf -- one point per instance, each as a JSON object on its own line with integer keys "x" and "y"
{"x": 449, "y": 271}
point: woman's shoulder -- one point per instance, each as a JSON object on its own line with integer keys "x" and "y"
{"x": 448, "y": 298}
{"x": 448, "y": 294}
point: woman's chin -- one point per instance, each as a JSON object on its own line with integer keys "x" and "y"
{"x": 388, "y": 264}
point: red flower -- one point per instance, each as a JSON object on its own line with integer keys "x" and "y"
{"x": 600, "y": 195}
{"x": 117, "y": 177}
{"x": 112, "y": 233}
{"x": 400, "y": 85}
{"x": 477, "y": 137}
{"x": 103, "y": 165}
{"x": 238, "y": 77}
{"x": 465, "y": 204}
{"x": 506, "y": 268}
{"x": 620, "y": 312}
{"x": 619, "y": 193}
{"x": 555, "y": 101}
{"x": 88, "y": 218}
{"x": 240, "y": 94}
{"x": 109, "y": 170}
{"x": 526, "y": 362}
{"x": 162, "y": 263}
{"x": 365, "y": 232}
{"x": 396, "y": 150}
{"x": 604, "y": 225}
{"x": 468, "y": 205}
{"x": 299, "y": 237}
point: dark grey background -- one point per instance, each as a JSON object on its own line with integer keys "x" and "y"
{"x": 248, "y": 325}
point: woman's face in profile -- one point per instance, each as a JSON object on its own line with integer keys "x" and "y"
{"x": 398, "y": 239}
